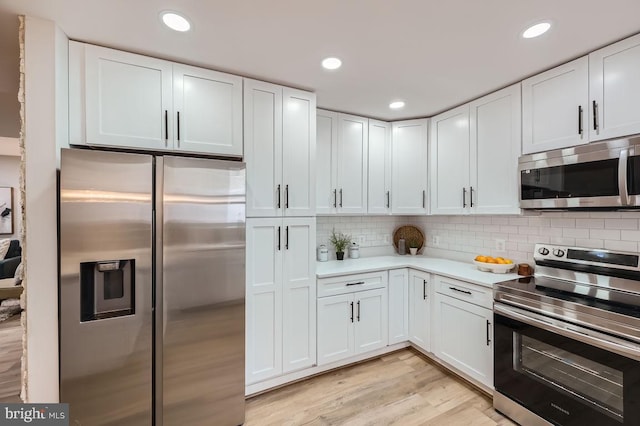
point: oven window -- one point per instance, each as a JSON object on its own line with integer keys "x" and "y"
{"x": 597, "y": 384}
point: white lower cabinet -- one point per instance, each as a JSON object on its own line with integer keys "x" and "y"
{"x": 280, "y": 297}
{"x": 463, "y": 328}
{"x": 420, "y": 309}
{"x": 351, "y": 323}
{"x": 398, "y": 305}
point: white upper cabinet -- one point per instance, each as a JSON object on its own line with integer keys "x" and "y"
{"x": 122, "y": 99}
{"x": 409, "y": 167}
{"x": 614, "y": 87}
{"x": 449, "y": 162}
{"x": 555, "y": 108}
{"x": 208, "y": 111}
{"x": 280, "y": 149}
{"x": 474, "y": 153}
{"x": 495, "y": 141}
{"x": 119, "y": 99}
{"x": 379, "y": 181}
{"x": 342, "y": 141}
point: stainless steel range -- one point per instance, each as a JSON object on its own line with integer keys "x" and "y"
{"x": 567, "y": 340}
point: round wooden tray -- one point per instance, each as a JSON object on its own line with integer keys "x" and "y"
{"x": 408, "y": 232}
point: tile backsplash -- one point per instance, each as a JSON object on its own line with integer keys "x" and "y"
{"x": 463, "y": 237}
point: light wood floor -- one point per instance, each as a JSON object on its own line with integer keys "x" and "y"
{"x": 401, "y": 388}
{"x": 10, "y": 354}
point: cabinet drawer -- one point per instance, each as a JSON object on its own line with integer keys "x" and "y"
{"x": 472, "y": 293}
{"x": 351, "y": 283}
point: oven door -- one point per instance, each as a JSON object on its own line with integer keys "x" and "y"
{"x": 564, "y": 373}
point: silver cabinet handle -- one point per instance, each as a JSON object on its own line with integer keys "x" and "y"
{"x": 335, "y": 198}
{"x": 580, "y": 120}
{"x": 424, "y": 289}
{"x": 178, "y": 126}
{"x": 286, "y": 196}
{"x": 358, "y": 283}
{"x": 340, "y": 197}
{"x": 279, "y": 232}
{"x": 278, "y": 196}
{"x": 488, "y": 336}
{"x": 166, "y": 125}
{"x": 595, "y": 115}
{"x": 464, "y": 197}
{"x": 424, "y": 198}
{"x": 351, "y": 311}
{"x": 358, "y": 311}
{"x": 471, "y": 196}
{"x": 388, "y": 199}
{"x": 286, "y": 240}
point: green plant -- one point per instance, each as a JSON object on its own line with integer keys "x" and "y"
{"x": 339, "y": 240}
{"x": 413, "y": 242}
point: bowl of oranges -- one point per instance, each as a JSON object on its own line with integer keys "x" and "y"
{"x": 497, "y": 265}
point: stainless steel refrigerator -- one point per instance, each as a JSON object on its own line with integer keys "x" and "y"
{"x": 152, "y": 289}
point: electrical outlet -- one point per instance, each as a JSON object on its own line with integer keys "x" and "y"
{"x": 435, "y": 240}
{"x": 361, "y": 239}
{"x": 386, "y": 238}
{"x": 500, "y": 245}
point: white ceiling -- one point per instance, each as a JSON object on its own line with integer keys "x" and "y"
{"x": 432, "y": 54}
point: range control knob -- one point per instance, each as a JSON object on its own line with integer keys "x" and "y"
{"x": 558, "y": 253}
{"x": 543, "y": 251}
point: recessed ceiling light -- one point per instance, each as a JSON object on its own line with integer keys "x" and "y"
{"x": 396, "y": 105}
{"x": 331, "y": 63}
{"x": 175, "y": 21}
{"x": 536, "y": 30}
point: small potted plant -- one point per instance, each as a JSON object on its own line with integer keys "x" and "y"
{"x": 413, "y": 246}
{"x": 340, "y": 242}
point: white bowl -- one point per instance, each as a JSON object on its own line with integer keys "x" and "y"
{"x": 496, "y": 268}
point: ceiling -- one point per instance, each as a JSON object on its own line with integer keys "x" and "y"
{"x": 432, "y": 54}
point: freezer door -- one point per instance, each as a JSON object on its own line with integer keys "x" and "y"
{"x": 106, "y": 318}
{"x": 203, "y": 292}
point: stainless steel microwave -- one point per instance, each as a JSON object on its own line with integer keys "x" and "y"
{"x": 600, "y": 175}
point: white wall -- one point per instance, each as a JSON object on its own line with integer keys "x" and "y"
{"x": 464, "y": 237}
{"x": 10, "y": 176}
{"x": 46, "y": 124}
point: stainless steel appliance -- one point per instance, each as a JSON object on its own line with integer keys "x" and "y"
{"x": 596, "y": 175}
{"x": 151, "y": 289}
{"x": 567, "y": 340}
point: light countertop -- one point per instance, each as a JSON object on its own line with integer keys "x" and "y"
{"x": 449, "y": 268}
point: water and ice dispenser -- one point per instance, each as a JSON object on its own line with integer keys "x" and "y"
{"x": 107, "y": 289}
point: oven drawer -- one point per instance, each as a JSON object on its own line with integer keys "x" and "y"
{"x": 472, "y": 293}
{"x": 351, "y": 283}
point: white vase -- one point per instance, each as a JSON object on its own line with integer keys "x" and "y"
{"x": 413, "y": 250}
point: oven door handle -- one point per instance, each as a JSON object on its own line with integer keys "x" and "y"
{"x": 622, "y": 177}
{"x": 571, "y": 331}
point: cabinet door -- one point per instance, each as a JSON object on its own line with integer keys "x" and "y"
{"x": 326, "y": 165}
{"x": 420, "y": 309}
{"x": 554, "y": 108}
{"x": 299, "y": 294}
{"x": 353, "y": 137}
{"x": 495, "y": 148}
{"x": 449, "y": 161}
{"x": 614, "y": 86}
{"x": 371, "y": 323}
{"x": 127, "y": 99}
{"x": 379, "y": 168}
{"x": 398, "y": 306}
{"x": 299, "y": 151}
{"x": 464, "y": 337}
{"x": 208, "y": 111}
{"x": 336, "y": 316}
{"x": 263, "y": 148}
{"x": 409, "y": 167}
{"x": 264, "y": 299}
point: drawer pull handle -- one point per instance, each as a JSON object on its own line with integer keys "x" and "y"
{"x": 460, "y": 291}
{"x": 358, "y": 283}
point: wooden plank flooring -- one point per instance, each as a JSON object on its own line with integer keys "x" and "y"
{"x": 10, "y": 354}
{"x": 401, "y": 388}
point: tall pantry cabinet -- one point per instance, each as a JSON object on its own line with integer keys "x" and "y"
{"x": 280, "y": 149}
